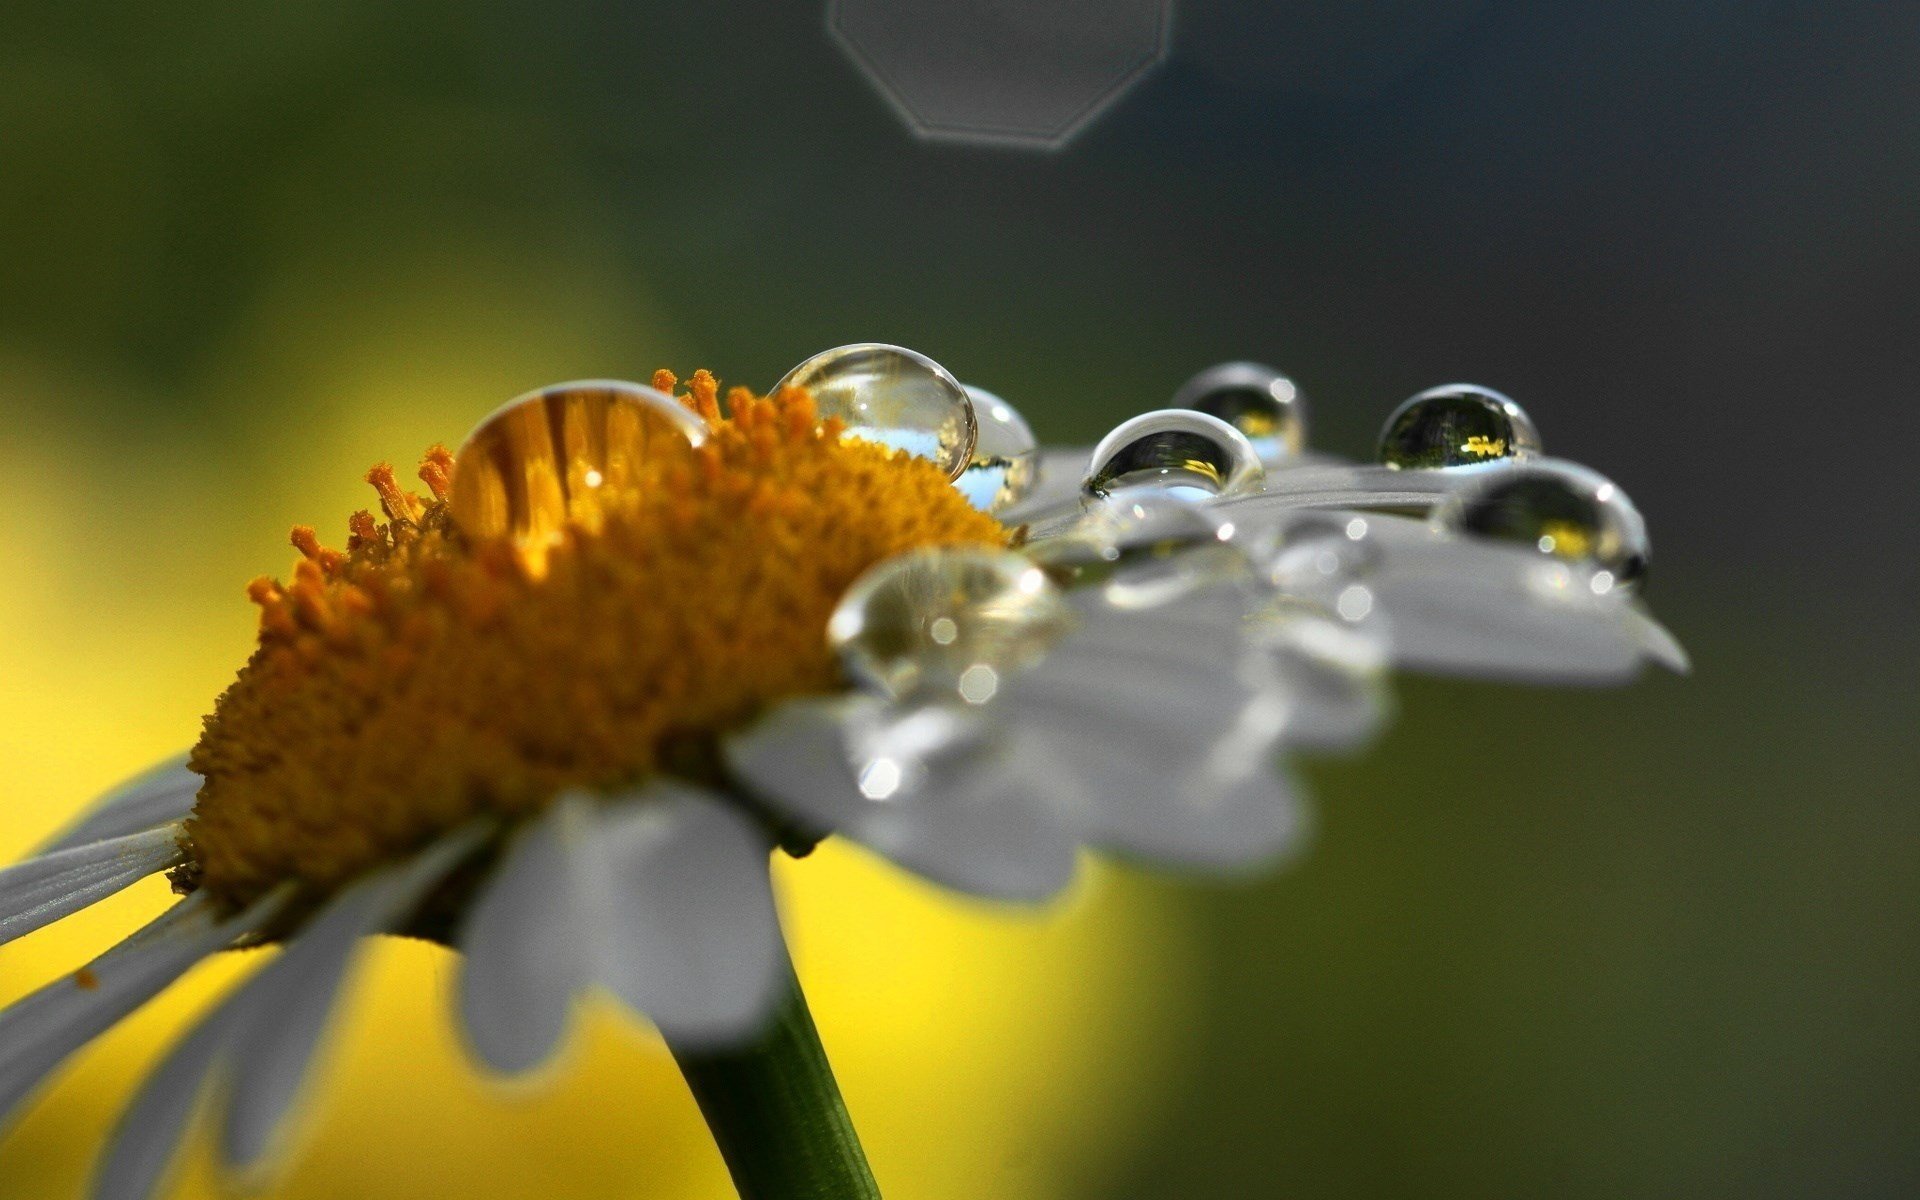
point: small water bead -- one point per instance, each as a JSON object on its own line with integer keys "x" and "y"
{"x": 1185, "y": 452}
{"x": 1457, "y": 425}
{"x": 1559, "y": 509}
{"x": 1146, "y": 545}
{"x": 894, "y": 748}
{"x": 1259, "y": 401}
{"x": 1006, "y": 456}
{"x": 947, "y": 622}
{"x": 892, "y": 396}
{"x": 1318, "y": 550}
{"x": 539, "y": 459}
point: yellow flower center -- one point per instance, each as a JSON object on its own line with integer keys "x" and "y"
{"x": 427, "y": 675}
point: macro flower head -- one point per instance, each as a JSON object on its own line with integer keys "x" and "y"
{"x": 556, "y": 710}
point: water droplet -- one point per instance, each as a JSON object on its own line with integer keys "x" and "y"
{"x": 1177, "y": 449}
{"x": 949, "y": 621}
{"x": 1006, "y": 457}
{"x": 538, "y": 460}
{"x": 895, "y": 748}
{"x": 1257, "y": 400}
{"x": 1457, "y": 425}
{"x": 1146, "y": 545}
{"x": 1559, "y": 509}
{"x": 1315, "y": 551}
{"x": 893, "y": 396}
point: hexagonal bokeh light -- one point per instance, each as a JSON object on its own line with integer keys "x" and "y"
{"x": 1002, "y": 72}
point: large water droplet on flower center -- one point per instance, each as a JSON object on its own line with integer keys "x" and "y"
{"x": 1457, "y": 425}
{"x": 950, "y": 621}
{"x": 1561, "y": 510}
{"x": 543, "y": 457}
{"x": 1176, "y": 449}
{"x": 1255, "y": 399}
{"x": 893, "y": 396}
{"x": 1005, "y": 462}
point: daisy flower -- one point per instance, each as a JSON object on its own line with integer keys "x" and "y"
{"x": 556, "y": 712}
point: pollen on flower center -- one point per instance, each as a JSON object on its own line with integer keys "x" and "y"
{"x": 425, "y": 675}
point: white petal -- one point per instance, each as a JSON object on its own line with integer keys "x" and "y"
{"x": 289, "y": 1003}
{"x": 157, "y": 796}
{"x": 1230, "y": 636}
{"x": 1177, "y": 770}
{"x": 980, "y": 821}
{"x": 1056, "y": 485}
{"x": 1467, "y": 606}
{"x": 688, "y": 934}
{"x": 1658, "y": 642}
{"x": 148, "y": 1135}
{"x": 42, "y": 890}
{"x": 39, "y": 1032}
{"x": 524, "y": 955}
{"x": 1339, "y": 485}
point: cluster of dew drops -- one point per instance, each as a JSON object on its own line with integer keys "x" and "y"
{"x": 942, "y": 622}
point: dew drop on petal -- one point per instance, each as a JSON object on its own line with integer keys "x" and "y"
{"x": 894, "y": 749}
{"x": 1457, "y": 425}
{"x": 947, "y": 621}
{"x": 892, "y": 396}
{"x": 1006, "y": 456}
{"x": 1146, "y": 545}
{"x": 1559, "y": 509}
{"x": 1318, "y": 550}
{"x": 541, "y": 457}
{"x": 1255, "y": 399}
{"x": 1185, "y": 452}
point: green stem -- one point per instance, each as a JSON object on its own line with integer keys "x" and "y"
{"x": 776, "y": 1112}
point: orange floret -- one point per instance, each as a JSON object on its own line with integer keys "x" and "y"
{"x": 423, "y": 677}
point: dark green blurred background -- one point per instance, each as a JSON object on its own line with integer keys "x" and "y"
{"x": 1652, "y": 942}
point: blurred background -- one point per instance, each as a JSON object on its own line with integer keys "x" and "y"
{"x": 1648, "y": 942}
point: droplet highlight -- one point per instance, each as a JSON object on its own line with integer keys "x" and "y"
{"x": 1558, "y": 509}
{"x": 1262, "y": 403}
{"x": 542, "y": 458}
{"x": 948, "y": 622}
{"x": 1457, "y": 425}
{"x": 1006, "y": 456}
{"x": 1179, "y": 450}
{"x": 894, "y": 397}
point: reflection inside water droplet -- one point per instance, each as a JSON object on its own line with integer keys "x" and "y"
{"x": 541, "y": 458}
{"x": 1559, "y": 509}
{"x": 1457, "y": 425}
{"x": 1006, "y": 457}
{"x": 947, "y": 622}
{"x": 1184, "y": 452}
{"x": 1257, "y": 400}
{"x": 893, "y": 396}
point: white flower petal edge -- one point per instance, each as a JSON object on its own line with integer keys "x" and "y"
{"x": 1181, "y": 767}
{"x": 523, "y": 956}
{"x": 160, "y": 795}
{"x": 289, "y": 1004}
{"x": 1454, "y": 605}
{"x": 42, "y": 890}
{"x": 978, "y": 821}
{"x": 1329, "y": 673}
{"x": 662, "y": 896}
{"x": 1343, "y": 485}
{"x": 689, "y": 931}
{"x": 266, "y": 1031}
{"x": 144, "y": 1142}
{"x": 39, "y": 1032}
